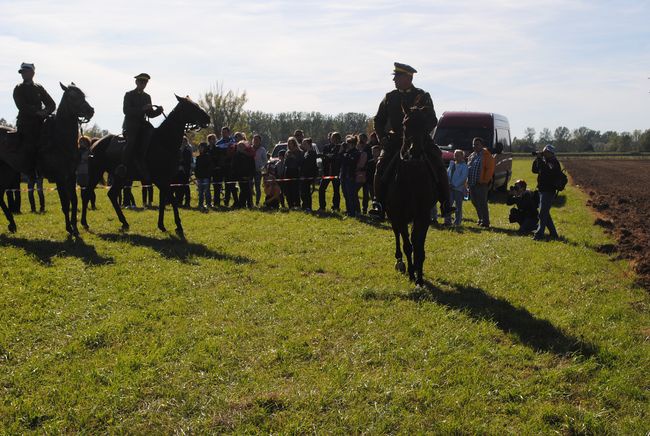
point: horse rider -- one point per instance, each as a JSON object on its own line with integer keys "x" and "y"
{"x": 137, "y": 108}
{"x": 389, "y": 129}
{"x": 34, "y": 106}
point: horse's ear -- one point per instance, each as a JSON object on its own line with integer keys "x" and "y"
{"x": 65, "y": 88}
{"x": 72, "y": 84}
{"x": 178, "y": 98}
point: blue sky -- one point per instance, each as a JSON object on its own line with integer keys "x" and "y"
{"x": 540, "y": 63}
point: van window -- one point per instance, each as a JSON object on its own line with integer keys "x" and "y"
{"x": 503, "y": 136}
{"x": 460, "y": 137}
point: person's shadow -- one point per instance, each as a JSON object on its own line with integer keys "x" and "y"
{"x": 539, "y": 334}
{"x": 174, "y": 248}
{"x": 45, "y": 250}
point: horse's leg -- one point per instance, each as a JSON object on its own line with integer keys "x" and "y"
{"x": 84, "y": 206}
{"x": 419, "y": 236}
{"x": 408, "y": 249}
{"x": 165, "y": 194}
{"x": 399, "y": 263}
{"x": 10, "y": 217}
{"x": 177, "y": 216}
{"x": 72, "y": 195}
{"x": 113, "y": 194}
{"x": 64, "y": 198}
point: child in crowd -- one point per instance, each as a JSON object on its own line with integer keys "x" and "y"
{"x": 272, "y": 192}
{"x": 203, "y": 171}
{"x": 457, "y": 174}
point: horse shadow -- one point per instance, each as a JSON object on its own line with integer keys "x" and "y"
{"x": 45, "y": 250}
{"x": 537, "y": 333}
{"x": 175, "y": 248}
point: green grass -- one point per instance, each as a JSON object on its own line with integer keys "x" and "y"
{"x": 293, "y": 323}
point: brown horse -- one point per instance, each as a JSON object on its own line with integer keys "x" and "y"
{"x": 56, "y": 154}
{"x": 411, "y": 195}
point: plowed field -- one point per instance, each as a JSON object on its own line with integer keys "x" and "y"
{"x": 619, "y": 191}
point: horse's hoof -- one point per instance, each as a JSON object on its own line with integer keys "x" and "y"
{"x": 124, "y": 228}
{"x": 162, "y": 229}
{"x": 12, "y": 228}
{"x": 419, "y": 282}
{"x": 400, "y": 267}
{"x": 180, "y": 233}
{"x": 85, "y": 226}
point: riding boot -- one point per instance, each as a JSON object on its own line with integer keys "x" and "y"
{"x": 377, "y": 210}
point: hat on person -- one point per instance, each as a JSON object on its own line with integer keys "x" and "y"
{"x": 403, "y": 69}
{"x": 549, "y": 148}
{"x": 143, "y": 76}
{"x": 26, "y": 66}
{"x": 521, "y": 182}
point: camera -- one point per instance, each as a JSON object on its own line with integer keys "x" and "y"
{"x": 536, "y": 153}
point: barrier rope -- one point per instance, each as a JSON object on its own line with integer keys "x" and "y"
{"x": 192, "y": 182}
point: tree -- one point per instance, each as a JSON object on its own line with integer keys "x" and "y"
{"x": 561, "y": 138}
{"x": 95, "y": 131}
{"x": 225, "y": 108}
{"x": 583, "y": 139}
{"x": 5, "y": 123}
{"x": 545, "y": 136}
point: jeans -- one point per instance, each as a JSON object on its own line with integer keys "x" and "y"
{"x": 545, "y": 220}
{"x": 479, "y": 194}
{"x": 456, "y": 198}
{"x": 336, "y": 199}
{"x": 258, "y": 187}
{"x": 351, "y": 195}
{"x": 204, "y": 192}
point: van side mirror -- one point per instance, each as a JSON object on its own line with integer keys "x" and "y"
{"x": 498, "y": 148}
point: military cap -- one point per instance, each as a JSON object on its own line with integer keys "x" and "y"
{"x": 26, "y": 66}
{"x": 143, "y": 76}
{"x": 403, "y": 69}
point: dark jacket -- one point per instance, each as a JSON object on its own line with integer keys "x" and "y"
{"x": 527, "y": 204}
{"x": 390, "y": 114}
{"x": 186, "y": 159}
{"x": 134, "y": 101}
{"x": 309, "y": 167}
{"x": 349, "y": 161}
{"x": 547, "y": 173}
{"x": 292, "y": 163}
{"x": 243, "y": 166}
{"x": 331, "y": 159}
{"x": 204, "y": 166}
{"x": 31, "y": 98}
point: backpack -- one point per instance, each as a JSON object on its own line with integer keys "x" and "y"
{"x": 560, "y": 180}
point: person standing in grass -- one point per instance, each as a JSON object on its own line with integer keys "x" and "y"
{"x": 481, "y": 170}
{"x": 203, "y": 171}
{"x": 308, "y": 173}
{"x": 261, "y": 160}
{"x": 548, "y": 169}
{"x": 457, "y": 174}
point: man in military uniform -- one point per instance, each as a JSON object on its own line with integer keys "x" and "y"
{"x": 34, "y": 105}
{"x": 389, "y": 129}
{"x": 137, "y": 107}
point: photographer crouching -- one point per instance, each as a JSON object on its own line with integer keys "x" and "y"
{"x": 525, "y": 211}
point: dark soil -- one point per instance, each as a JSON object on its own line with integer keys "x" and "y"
{"x": 619, "y": 191}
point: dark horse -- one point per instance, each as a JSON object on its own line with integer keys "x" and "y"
{"x": 56, "y": 154}
{"x": 411, "y": 195}
{"x": 161, "y": 158}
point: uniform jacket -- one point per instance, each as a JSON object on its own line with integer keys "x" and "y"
{"x": 547, "y": 172}
{"x": 134, "y": 101}
{"x": 31, "y": 98}
{"x": 390, "y": 113}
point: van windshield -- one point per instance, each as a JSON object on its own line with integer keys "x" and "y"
{"x": 451, "y": 138}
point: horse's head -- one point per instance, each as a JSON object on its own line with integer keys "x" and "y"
{"x": 191, "y": 113}
{"x": 74, "y": 102}
{"x": 414, "y": 123}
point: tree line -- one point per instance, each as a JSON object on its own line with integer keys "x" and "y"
{"x": 582, "y": 140}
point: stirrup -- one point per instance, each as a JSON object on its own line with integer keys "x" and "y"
{"x": 377, "y": 210}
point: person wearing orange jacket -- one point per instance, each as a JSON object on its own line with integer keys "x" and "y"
{"x": 481, "y": 170}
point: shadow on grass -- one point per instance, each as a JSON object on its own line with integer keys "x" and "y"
{"x": 174, "y": 248}
{"x": 539, "y": 334}
{"x": 44, "y": 250}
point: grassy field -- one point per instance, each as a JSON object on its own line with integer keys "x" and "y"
{"x": 293, "y": 323}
